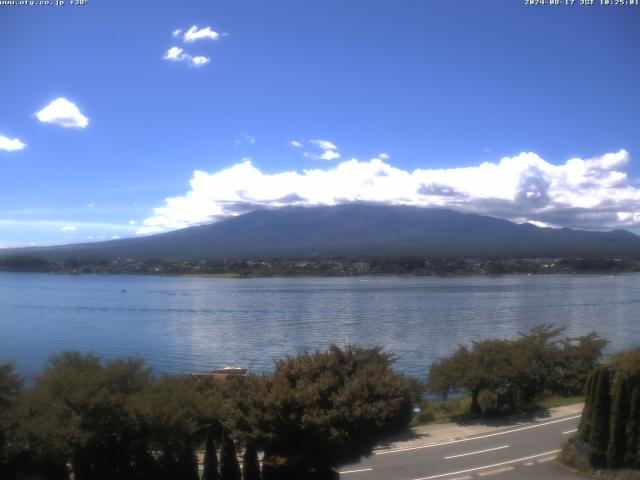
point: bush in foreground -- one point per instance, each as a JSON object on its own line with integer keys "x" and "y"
{"x": 107, "y": 420}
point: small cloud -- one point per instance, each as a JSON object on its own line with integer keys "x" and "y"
{"x": 68, "y": 228}
{"x": 64, "y": 113}
{"x": 11, "y": 144}
{"x": 116, "y": 237}
{"x": 295, "y": 143}
{"x": 132, "y": 222}
{"x": 329, "y": 150}
{"x": 384, "y": 156}
{"x": 194, "y": 34}
{"x": 200, "y": 61}
{"x": 91, "y": 205}
{"x": 324, "y": 144}
{"x": 329, "y": 155}
{"x": 176, "y": 32}
{"x": 176, "y": 54}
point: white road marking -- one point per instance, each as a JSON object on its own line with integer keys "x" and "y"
{"x": 570, "y": 431}
{"x": 496, "y": 471}
{"x": 474, "y": 453}
{"x": 355, "y": 471}
{"x": 548, "y": 459}
{"x": 537, "y": 425}
{"x": 517, "y": 460}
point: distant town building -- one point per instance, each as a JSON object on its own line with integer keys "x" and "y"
{"x": 360, "y": 267}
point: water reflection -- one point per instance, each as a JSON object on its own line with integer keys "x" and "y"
{"x": 185, "y": 324}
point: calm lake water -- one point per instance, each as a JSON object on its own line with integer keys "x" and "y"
{"x": 186, "y": 324}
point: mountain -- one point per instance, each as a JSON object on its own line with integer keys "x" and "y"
{"x": 353, "y": 230}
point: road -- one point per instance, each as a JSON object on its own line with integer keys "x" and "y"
{"x": 522, "y": 452}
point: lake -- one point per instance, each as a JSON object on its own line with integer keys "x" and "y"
{"x": 183, "y": 324}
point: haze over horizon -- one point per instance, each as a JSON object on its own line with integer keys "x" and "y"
{"x": 126, "y": 119}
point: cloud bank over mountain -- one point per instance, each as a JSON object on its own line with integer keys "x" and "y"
{"x": 593, "y": 193}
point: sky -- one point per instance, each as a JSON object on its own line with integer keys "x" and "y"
{"x": 122, "y": 118}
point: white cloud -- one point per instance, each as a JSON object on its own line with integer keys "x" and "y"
{"x": 116, "y": 237}
{"x": 132, "y": 222}
{"x": 68, "y": 228}
{"x": 580, "y": 193}
{"x": 295, "y": 143}
{"x": 194, "y": 34}
{"x": 328, "y": 150}
{"x": 91, "y": 205}
{"x": 200, "y": 60}
{"x": 384, "y": 156}
{"x": 11, "y": 144}
{"x": 176, "y": 54}
{"x": 64, "y": 113}
{"x": 176, "y": 32}
{"x": 324, "y": 144}
{"x": 325, "y": 155}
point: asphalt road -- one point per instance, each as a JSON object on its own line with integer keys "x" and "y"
{"x": 523, "y": 452}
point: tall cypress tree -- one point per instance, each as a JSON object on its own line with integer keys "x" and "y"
{"x": 187, "y": 464}
{"x": 268, "y": 469}
{"x": 631, "y": 458}
{"x": 618, "y": 422}
{"x": 584, "y": 430}
{"x": 229, "y": 466}
{"x": 599, "y": 435}
{"x": 210, "y": 463}
{"x": 250, "y": 465}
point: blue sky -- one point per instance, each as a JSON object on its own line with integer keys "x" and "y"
{"x": 530, "y": 113}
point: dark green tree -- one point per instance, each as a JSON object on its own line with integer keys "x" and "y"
{"x": 618, "y": 422}
{"x": 599, "y": 434}
{"x": 446, "y": 374}
{"x": 579, "y": 357}
{"x": 187, "y": 465}
{"x": 210, "y": 463}
{"x": 268, "y": 467}
{"x": 229, "y": 466}
{"x": 631, "y": 459}
{"x": 490, "y": 368}
{"x": 584, "y": 430}
{"x": 250, "y": 464}
{"x": 328, "y": 408}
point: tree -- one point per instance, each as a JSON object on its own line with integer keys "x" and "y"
{"x": 618, "y": 422}
{"x": 490, "y": 367}
{"x": 171, "y": 414}
{"x": 229, "y": 467}
{"x": 521, "y": 369}
{"x": 536, "y": 359}
{"x": 10, "y": 385}
{"x": 446, "y": 374}
{"x": 584, "y": 429}
{"x": 579, "y": 357}
{"x": 210, "y": 463}
{"x": 632, "y": 459}
{"x": 329, "y": 408}
{"x": 599, "y": 434}
{"x": 187, "y": 465}
{"x": 250, "y": 465}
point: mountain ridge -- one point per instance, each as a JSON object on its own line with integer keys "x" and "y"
{"x": 351, "y": 229}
